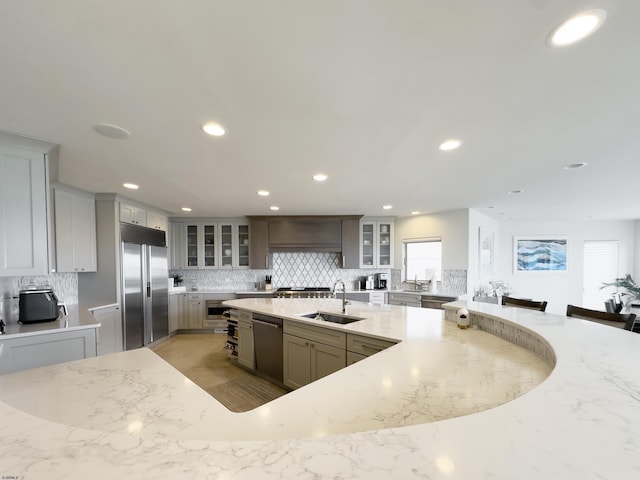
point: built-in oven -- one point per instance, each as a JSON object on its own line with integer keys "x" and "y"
{"x": 214, "y": 309}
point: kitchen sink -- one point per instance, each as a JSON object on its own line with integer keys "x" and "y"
{"x": 332, "y": 317}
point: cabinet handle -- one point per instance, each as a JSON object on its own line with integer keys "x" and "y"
{"x": 266, "y": 261}
{"x": 371, "y": 347}
{"x": 344, "y": 262}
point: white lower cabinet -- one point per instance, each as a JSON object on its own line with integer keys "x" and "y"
{"x": 311, "y": 353}
{"x": 178, "y": 314}
{"x": 404, "y": 299}
{"x": 21, "y": 353}
{"x": 110, "y": 337}
{"x": 195, "y": 310}
{"x": 176, "y": 311}
{"x": 377, "y": 297}
{"x": 246, "y": 356}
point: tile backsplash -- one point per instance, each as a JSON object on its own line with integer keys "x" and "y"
{"x": 290, "y": 269}
{"x": 313, "y": 269}
{"x": 454, "y": 281}
{"x": 305, "y": 269}
{"x": 64, "y": 285}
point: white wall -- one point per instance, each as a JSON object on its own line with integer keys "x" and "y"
{"x": 560, "y": 289}
{"x": 452, "y": 227}
{"x": 636, "y": 251}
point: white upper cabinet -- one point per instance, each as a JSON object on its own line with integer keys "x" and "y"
{"x": 201, "y": 240}
{"x": 234, "y": 245}
{"x": 75, "y": 230}
{"x": 157, "y": 221}
{"x": 177, "y": 249}
{"x": 141, "y": 216}
{"x": 376, "y": 243}
{"x": 209, "y": 244}
{"x": 132, "y": 214}
{"x": 23, "y": 213}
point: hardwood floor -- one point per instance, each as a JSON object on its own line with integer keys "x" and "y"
{"x": 201, "y": 358}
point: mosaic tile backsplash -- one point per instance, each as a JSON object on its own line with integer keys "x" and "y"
{"x": 64, "y": 285}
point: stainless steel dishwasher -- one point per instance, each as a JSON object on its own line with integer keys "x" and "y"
{"x": 267, "y": 344}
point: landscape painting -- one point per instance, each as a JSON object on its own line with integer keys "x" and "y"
{"x": 540, "y": 254}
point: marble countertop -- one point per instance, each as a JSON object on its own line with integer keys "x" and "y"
{"x": 443, "y": 403}
{"x": 72, "y": 321}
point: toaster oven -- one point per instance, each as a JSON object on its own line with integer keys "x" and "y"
{"x": 37, "y": 306}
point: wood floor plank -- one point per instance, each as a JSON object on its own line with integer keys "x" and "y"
{"x": 201, "y": 358}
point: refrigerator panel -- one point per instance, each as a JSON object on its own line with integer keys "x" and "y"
{"x": 158, "y": 303}
{"x": 133, "y": 301}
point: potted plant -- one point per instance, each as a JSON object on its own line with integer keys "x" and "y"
{"x": 631, "y": 291}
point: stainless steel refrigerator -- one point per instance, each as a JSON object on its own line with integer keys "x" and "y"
{"x": 144, "y": 285}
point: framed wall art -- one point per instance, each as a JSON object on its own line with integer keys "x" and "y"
{"x": 486, "y": 254}
{"x": 540, "y": 254}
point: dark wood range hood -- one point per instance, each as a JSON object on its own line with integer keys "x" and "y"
{"x": 310, "y": 233}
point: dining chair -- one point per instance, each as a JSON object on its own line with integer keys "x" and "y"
{"x": 619, "y": 320}
{"x": 522, "y": 303}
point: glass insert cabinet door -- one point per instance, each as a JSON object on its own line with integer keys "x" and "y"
{"x": 226, "y": 242}
{"x": 384, "y": 245}
{"x": 201, "y": 245}
{"x": 209, "y": 244}
{"x": 243, "y": 246}
{"x": 368, "y": 245}
{"x": 192, "y": 246}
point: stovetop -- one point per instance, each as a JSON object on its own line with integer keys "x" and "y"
{"x": 303, "y": 292}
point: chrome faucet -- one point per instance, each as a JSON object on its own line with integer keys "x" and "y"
{"x": 344, "y": 294}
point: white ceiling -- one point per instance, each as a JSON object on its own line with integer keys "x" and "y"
{"x": 362, "y": 90}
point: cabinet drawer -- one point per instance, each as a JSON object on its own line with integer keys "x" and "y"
{"x": 244, "y": 316}
{"x": 405, "y": 299}
{"x": 366, "y": 345}
{"x": 194, "y": 297}
{"x": 376, "y": 297}
{"x": 325, "y": 336}
{"x": 218, "y": 323}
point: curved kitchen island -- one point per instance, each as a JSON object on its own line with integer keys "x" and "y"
{"x": 132, "y": 415}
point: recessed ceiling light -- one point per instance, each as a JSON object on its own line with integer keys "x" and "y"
{"x": 387, "y": 207}
{"x": 214, "y": 129}
{"x": 131, "y": 186}
{"x": 577, "y": 28}
{"x": 273, "y": 207}
{"x": 263, "y": 193}
{"x": 450, "y": 144}
{"x": 320, "y": 177}
{"x": 186, "y": 209}
{"x": 491, "y": 206}
{"x": 515, "y": 192}
{"x": 573, "y": 166}
{"x": 415, "y": 213}
{"x": 111, "y": 131}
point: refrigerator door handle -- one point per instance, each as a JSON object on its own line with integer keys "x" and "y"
{"x": 148, "y": 289}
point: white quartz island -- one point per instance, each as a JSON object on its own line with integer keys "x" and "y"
{"x": 130, "y": 415}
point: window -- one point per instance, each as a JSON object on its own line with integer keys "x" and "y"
{"x": 423, "y": 259}
{"x": 600, "y": 265}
